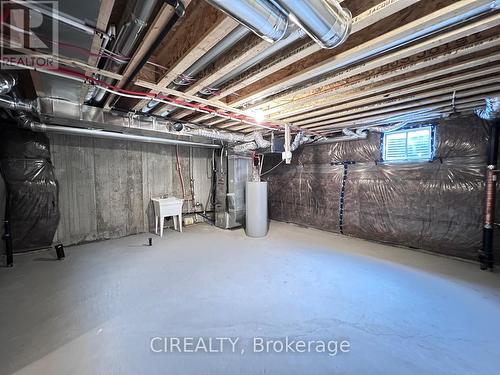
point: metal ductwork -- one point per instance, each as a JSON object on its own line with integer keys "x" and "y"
{"x": 126, "y": 40}
{"x": 295, "y": 34}
{"x": 188, "y": 76}
{"x": 218, "y": 50}
{"x": 7, "y": 82}
{"x": 263, "y": 17}
{"x": 62, "y": 17}
{"x": 492, "y": 109}
{"x": 68, "y": 114}
{"x": 325, "y": 21}
{"x": 28, "y": 123}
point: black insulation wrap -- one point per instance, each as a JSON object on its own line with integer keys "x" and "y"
{"x": 436, "y": 206}
{"x": 32, "y": 190}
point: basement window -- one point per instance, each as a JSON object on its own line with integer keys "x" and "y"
{"x": 409, "y": 145}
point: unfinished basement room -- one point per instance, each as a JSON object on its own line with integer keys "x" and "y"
{"x": 250, "y": 187}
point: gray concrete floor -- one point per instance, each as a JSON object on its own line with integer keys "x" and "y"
{"x": 403, "y": 312}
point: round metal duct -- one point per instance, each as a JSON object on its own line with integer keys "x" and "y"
{"x": 325, "y": 21}
{"x": 261, "y": 16}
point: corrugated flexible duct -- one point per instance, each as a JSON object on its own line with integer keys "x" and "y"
{"x": 491, "y": 111}
{"x": 300, "y": 139}
{"x": 18, "y": 105}
{"x": 7, "y": 82}
{"x": 358, "y": 134}
{"x": 258, "y": 142}
{"x": 220, "y": 135}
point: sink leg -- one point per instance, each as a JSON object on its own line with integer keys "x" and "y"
{"x": 174, "y": 219}
{"x": 156, "y": 224}
{"x": 180, "y": 222}
{"x": 162, "y": 221}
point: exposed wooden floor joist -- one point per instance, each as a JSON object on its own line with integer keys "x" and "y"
{"x": 401, "y": 55}
{"x": 397, "y": 37}
{"x": 197, "y": 33}
{"x": 309, "y": 103}
{"x": 369, "y": 17}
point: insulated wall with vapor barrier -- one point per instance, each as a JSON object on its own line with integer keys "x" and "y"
{"x": 32, "y": 191}
{"x": 435, "y": 206}
{"x": 3, "y": 202}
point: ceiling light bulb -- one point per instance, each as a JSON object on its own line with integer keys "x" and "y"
{"x": 259, "y": 116}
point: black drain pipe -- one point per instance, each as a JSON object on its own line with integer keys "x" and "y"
{"x": 7, "y": 237}
{"x": 7, "y": 234}
{"x": 486, "y": 255}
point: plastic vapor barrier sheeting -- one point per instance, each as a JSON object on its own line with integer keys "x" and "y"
{"x": 344, "y": 188}
{"x": 32, "y": 192}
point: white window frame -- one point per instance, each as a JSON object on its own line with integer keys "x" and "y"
{"x": 406, "y": 159}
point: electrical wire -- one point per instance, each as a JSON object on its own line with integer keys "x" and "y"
{"x": 104, "y": 53}
{"x": 272, "y": 169}
{"x": 179, "y": 171}
{"x": 81, "y": 77}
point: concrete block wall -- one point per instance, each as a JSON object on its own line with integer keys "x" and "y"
{"x": 105, "y": 186}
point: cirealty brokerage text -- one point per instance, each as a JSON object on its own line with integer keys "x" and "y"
{"x": 162, "y": 344}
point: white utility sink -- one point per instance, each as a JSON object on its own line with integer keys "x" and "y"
{"x": 166, "y": 207}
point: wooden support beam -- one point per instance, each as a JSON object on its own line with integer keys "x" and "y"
{"x": 37, "y": 83}
{"x": 159, "y": 23}
{"x": 484, "y": 92}
{"x": 405, "y": 33}
{"x": 352, "y": 95}
{"x": 256, "y": 46}
{"x": 200, "y": 30}
{"x": 224, "y": 109}
{"x": 334, "y": 92}
{"x": 417, "y": 114}
{"x": 102, "y": 24}
{"x": 360, "y": 111}
{"x": 220, "y": 69}
{"x": 181, "y": 114}
{"x": 188, "y": 97}
{"x": 369, "y": 17}
{"x": 413, "y": 105}
{"x": 357, "y": 111}
{"x": 407, "y": 95}
{"x": 202, "y": 118}
{"x": 229, "y": 124}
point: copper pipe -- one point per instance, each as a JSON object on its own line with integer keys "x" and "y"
{"x": 489, "y": 215}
